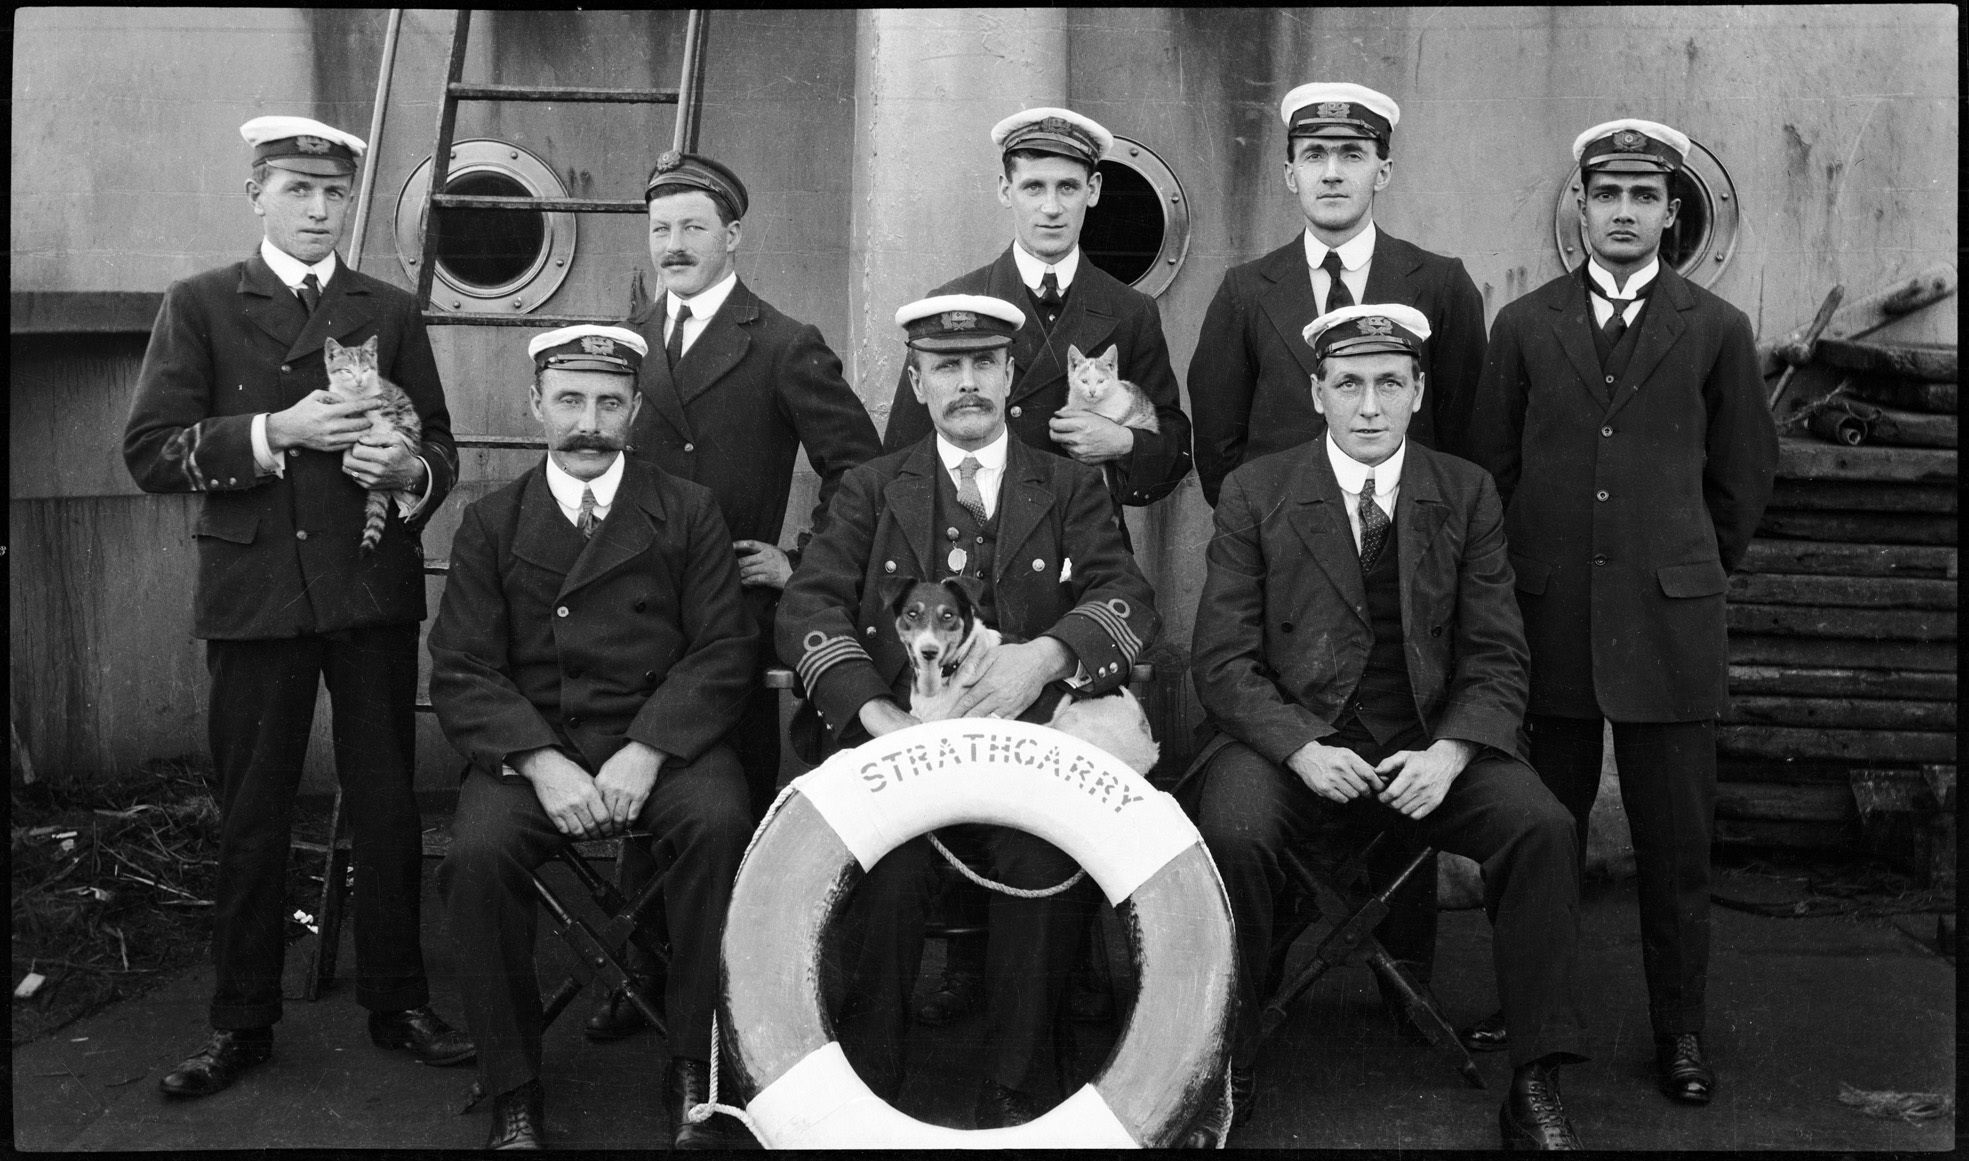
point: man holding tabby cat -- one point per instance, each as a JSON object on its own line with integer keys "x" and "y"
{"x": 1049, "y": 179}
{"x": 232, "y": 402}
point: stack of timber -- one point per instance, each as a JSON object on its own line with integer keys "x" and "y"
{"x": 1842, "y": 727}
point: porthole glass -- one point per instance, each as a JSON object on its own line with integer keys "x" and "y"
{"x": 1140, "y": 230}
{"x": 501, "y": 261}
{"x": 1704, "y": 236}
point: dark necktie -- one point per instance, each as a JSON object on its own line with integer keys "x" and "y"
{"x": 586, "y": 519}
{"x": 311, "y": 292}
{"x": 967, "y": 488}
{"x": 673, "y": 351}
{"x": 1050, "y": 297}
{"x": 1616, "y": 324}
{"x": 1374, "y": 526}
{"x": 1337, "y": 294}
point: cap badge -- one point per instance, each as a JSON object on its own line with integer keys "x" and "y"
{"x": 670, "y": 160}
{"x": 1628, "y": 139}
{"x": 1335, "y": 109}
{"x": 598, "y": 345}
{"x": 1055, "y": 125}
{"x": 311, "y": 144}
{"x": 959, "y": 320}
{"x": 1374, "y": 324}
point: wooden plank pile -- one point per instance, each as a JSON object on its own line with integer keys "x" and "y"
{"x": 1843, "y": 722}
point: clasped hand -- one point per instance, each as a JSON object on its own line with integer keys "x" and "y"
{"x": 605, "y": 804}
{"x": 1413, "y": 782}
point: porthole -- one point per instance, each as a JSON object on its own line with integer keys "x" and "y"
{"x": 1140, "y": 230}
{"x": 488, "y": 261}
{"x": 1704, "y": 236}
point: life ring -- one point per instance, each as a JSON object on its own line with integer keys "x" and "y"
{"x": 832, "y": 824}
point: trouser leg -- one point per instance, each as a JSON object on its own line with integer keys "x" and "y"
{"x": 372, "y": 688}
{"x": 1567, "y": 753}
{"x": 1668, "y": 785}
{"x": 1499, "y": 813}
{"x": 262, "y": 707}
{"x": 882, "y": 951}
{"x": 499, "y": 835}
{"x": 1029, "y": 950}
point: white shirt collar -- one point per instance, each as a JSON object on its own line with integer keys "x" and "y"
{"x": 991, "y": 457}
{"x": 1635, "y": 281}
{"x": 1351, "y": 472}
{"x": 567, "y": 489}
{"x": 291, "y": 270}
{"x": 1031, "y": 269}
{"x": 1354, "y": 252}
{"x": 707, "y": 301}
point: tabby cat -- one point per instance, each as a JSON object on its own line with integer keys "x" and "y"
{"x": 1093, "y": 385}
{"x": 352, "y": 375}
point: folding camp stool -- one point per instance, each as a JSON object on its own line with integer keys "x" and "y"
{"x": 1341, "y": 898}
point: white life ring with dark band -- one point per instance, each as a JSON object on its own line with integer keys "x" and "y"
{"x": 830, "y": 825}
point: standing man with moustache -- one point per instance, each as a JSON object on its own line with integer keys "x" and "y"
{"x": 1624, "y": 418}
{"x": 733, "y": 390}
{"x": 1049, "y": 179}
{"x": 233, "y": 402}
{"x": 1248, "y": 381}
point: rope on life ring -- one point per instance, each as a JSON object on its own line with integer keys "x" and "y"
{"x": 832, "y": 824}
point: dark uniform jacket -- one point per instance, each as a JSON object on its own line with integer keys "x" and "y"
{"x": 1251, "y": 377}
{"x": 1628, "y": 503}
{"x": 838, "y": 632}
{"x": 1100, "y": 311}
{"x": 278, "y": 555}
{"x": 753, "y": 388}
{"x": 1282, "y": 631}
{"x": 637, "y": 634}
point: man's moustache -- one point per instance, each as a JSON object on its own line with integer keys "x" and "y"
{"x": 589, "y": 443}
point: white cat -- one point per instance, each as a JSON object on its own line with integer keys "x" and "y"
{"x": 1094, "y": 385}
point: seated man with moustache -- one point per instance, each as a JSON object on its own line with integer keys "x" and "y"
{"x": 1359, "y": 649}
{"x": 591, "y": 652}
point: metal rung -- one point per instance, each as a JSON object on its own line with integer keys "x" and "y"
{"x": 436, "y": 567}
{"x": 448, "y": 318}
{"x": 424, "y": 706}
{"x": 539, "y": 93}
{"x": 550, "y": 205}
{"x": 499, "y": 441}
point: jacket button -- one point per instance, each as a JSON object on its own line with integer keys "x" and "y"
{"x": 1599, "y": 558}
{"x": 211, "y": 483}
{"x": 1038, "y": 565}
{"x": 649, "y": 675}
{"x": 1436, "y": 631}
{"x": 294, "y": 453}
{"x": 1016, "y": 412}
{"x": 1606, "y": 431}
{"x": 1610, "y": 379}
{"x": 690, "y": 447}
{"x": 573, "y": 721}
{"x": 640, "y": 605}
{"x": 980, "y": 540}
{"x": 285, "y": 369}
{"x": 561, "y": 612}
{"x": 232, "y": 479}
{"x": 300, "y": 534}
{"x": 871, "y": 631}
{"x": 1600, "y": 495}
{"x": 888, "y": 566}
{"x": 950, "y": 533}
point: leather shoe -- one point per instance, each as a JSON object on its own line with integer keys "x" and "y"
{"x": 959, "y": 994}
{"x": 1685, "y": 1073}
{"x": 1000, "y": 1107}
{"x": 224, "y": 1059}
{"x": 424, "y": 1033}
{"x": 1533, "y": 1117}
{"x": 1486, "y": 1035}
{"x": 615, "y": 1017}
{"x": 517, "y": 1120}
{"x": 688, "y": 1085}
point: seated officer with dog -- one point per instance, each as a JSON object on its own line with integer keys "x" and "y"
{"x": 591, "y": 652}
{"x": 1036, "y": 538}
{"x": 1359, "y": 648}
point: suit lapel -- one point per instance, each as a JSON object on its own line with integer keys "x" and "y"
{"x": 1661, "y": 325}
{"x": 269, "y": 304}
{"x": 1289, "y": 301}
{"x": 721, "y": 346}
{"x": 912, "y": 498}
{"x": 535, "y": 533}
{"x": 626, "y": 533}
{"x": 344, "y": 309}
{"x": 1318, "y": 513}
{"x": 1419, "y": 516}
{"x": 1023, "y": 501}
{"x": 658, "y": 386}
{"x": 1036, "y": 363}
{"x": 1390, "y": 268}
{"x": 1570, "y": 322}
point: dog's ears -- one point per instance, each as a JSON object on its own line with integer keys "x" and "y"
{"x": 969, "y": 590}
{"x": 892, "y": 590}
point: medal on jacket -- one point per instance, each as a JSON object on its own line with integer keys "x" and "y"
{"x": 958, "y": 558}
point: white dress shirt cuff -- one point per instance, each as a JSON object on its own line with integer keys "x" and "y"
{"x": 269, "y": 463}
{"x": 410, "y": 502}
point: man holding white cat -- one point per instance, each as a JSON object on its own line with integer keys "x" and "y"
{"x": 1037, "y": 532}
